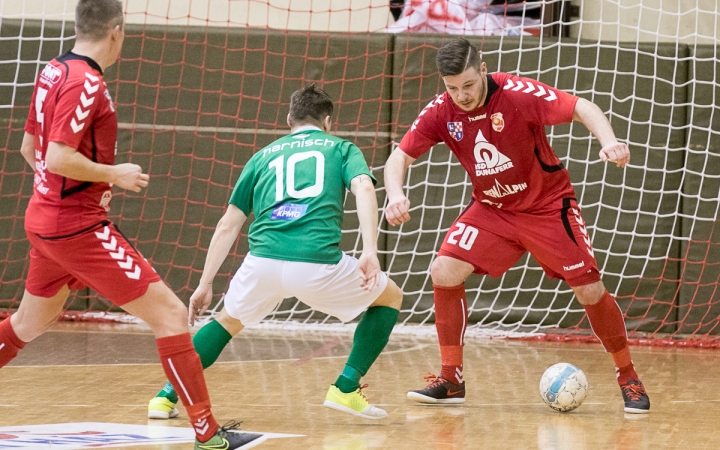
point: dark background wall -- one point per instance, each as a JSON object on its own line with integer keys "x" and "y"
{"x": 195, "y": 103}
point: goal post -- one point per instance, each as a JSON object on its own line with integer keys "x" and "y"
{"x": 202, "y": 85}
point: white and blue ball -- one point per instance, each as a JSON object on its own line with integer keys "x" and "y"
{"x": 563, "y": 387}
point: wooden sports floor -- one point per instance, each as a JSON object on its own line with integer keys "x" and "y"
{"x": 275, "y": 382}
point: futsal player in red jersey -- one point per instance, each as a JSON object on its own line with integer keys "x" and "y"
{"x": 522, "y": 201}
{"x": 70, "y": 142}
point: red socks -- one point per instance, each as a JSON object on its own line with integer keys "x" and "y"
{"x": 184, "y": 371}
{"x": 10, "y": 344}
{"x": 608, "y": 324}
{"x": 179, "y": 360}
{"x": 451, "y": 322}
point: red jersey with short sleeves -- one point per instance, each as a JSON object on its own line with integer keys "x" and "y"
{"x": 502, "y": 144}
{"x": 70, "y": 105}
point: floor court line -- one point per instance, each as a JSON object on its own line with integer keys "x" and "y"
{"x": 50, "y": 366}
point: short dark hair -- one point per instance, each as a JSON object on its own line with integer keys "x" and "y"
{"x": 309, "y": 105}
{"x": 456, "y": 57}
{"x": 95, "y": 18}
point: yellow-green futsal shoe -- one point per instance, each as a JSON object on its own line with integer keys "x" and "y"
{"x": 353, "y": 403}
{"x": 162, "y": 408}
{"x": 227, "y": 439}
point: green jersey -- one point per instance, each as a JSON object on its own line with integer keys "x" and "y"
{"x": 296, "y": 188}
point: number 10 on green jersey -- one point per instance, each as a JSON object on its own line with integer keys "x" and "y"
{"x": 296, "y": 188}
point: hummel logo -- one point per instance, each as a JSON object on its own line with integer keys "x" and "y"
{"x": 574, "y": 266}
{"x": 2, "y": 345}
{"x": 480, "y": 117}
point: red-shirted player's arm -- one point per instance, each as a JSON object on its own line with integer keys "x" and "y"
{"x": 75, "y": 111}
{"x": 422, "y": 136}
{"x": 398, "y": 207}
{"x": 31, "y": 121}
{"x": 590, "y": 115}
{"x": 65, "y": 161}
{"x": 27, "y": 149}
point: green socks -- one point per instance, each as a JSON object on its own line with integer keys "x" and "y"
{"x": 209, "y": 342}
{"x": 371, "y": 337}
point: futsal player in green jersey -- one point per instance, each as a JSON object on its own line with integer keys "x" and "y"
{"x": 296, "y": 187}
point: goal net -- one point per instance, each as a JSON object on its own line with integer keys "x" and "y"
{"x": 203, "y": 84}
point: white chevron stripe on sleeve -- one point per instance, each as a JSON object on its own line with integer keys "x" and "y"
{"x": 76, "y": 126}
{"x": 86, "y": 101}
{"x": 90, "y": 88}
{"x": 80, "y": 114}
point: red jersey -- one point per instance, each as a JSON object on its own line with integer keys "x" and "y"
{"x": 70, "y": 105}
{"x": 502, "y": 144}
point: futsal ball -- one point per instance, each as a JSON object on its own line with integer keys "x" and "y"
{"x": 563, "y": 387}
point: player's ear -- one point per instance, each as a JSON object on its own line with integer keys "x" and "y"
{"x": 288, "y": 121}
{"x": 116, "y": 32}
{"x": 483, "y": 68}
{"x": 327, "y": 124}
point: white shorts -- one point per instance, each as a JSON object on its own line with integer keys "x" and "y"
{"x": 334, "y": 289}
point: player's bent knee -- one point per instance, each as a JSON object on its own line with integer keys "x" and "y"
{"x": 589, "y": 294}
{"x": 231, "y": 324}
{"x": 27, "y": 330}
{"x": 161, "y": 309}
{"x": 391, "y": 297}
{"x": 447, "y": 271}
{"x": 37, "y": 314}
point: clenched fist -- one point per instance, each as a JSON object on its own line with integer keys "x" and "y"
{"x": 129, "y": 176}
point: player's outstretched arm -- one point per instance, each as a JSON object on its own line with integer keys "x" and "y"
{"x": 64, "y": 160}
{"x": 593, "y": 118}
{"x": 367, "y": 211}
{"x": 27, "y": 149}
{"x": 398, "y": 207}
{"x": 226, "y": 233}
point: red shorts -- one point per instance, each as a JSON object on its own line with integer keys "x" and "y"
{"x": 493, "y": 240}
{"x": 100, "y": 258}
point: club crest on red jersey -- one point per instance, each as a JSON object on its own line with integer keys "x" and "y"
{"x": 456, "y": 130}
{"x": 498, "y": 123}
